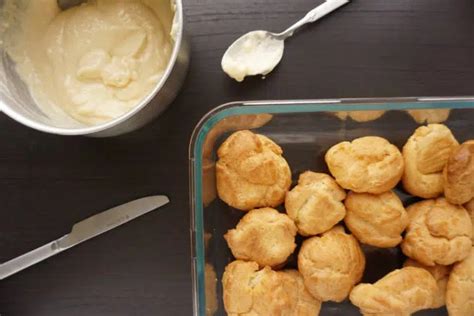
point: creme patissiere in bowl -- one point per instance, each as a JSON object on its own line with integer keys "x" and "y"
{"x": 103, "y": 68}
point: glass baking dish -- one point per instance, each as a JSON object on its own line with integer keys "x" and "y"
{"x": 305, "y": 130}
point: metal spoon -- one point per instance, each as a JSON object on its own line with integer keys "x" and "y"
{"x": 67, "y": 4}
{"x": 259, "y": 52}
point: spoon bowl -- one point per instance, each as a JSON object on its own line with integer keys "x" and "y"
{"x": 257, "y": 52}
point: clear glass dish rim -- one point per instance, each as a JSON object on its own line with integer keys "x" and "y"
{"x": 277, "y": 107}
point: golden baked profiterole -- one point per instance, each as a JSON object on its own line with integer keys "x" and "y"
{"x": 441, "y": 275}
{"x": 210, "y": 289}
{"x": 264, "y": 236}
{"x": 437, "y": 233}
{"x": 377, "y": 220}
{"x": 360, "y": 116}
{"x": 458, "y": 174}
{"x": 302, "y": 302}
{"x": 253, "y": 292}
{"x": 250, "y": 291}
{"x": 426, "y": 153}
{"x": 331, "y": 264}
{"x": 430, "y": 116}
{"x": 401, "y": 292}
{"x": 460, "y": 289}
{"x": 366, "y": 165}
{"x": 251, "y": 172}
{"x": 315, "y": 204}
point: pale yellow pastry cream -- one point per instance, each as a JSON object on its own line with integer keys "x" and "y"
{"x": 95, "y": 61}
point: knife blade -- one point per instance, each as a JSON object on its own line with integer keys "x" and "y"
{"x": 85, "y": 230}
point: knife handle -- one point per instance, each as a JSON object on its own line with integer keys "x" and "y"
{"x": 28, "y": 259}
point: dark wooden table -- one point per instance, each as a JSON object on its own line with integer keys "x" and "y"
{"x": 370, "y": 48}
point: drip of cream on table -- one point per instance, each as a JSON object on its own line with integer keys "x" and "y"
{"x": 95, "y": 61}
{"x": 256, "y": 53}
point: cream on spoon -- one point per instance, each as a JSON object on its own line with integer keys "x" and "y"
{"x": 259, "y": 52}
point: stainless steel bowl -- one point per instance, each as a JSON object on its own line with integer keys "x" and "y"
{"x": 16, "y": 101}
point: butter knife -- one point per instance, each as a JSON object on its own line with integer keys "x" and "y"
{"x": 85, "y": 230}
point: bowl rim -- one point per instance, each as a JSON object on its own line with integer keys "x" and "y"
{"x": 178, "y": 42}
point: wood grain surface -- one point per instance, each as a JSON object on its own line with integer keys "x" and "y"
{"x": 370, "y": 48}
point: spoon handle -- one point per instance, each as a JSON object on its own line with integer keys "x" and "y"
{"x": 314, "y": 15}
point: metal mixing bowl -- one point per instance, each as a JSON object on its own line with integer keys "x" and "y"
{"x": 17, "y": 103}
